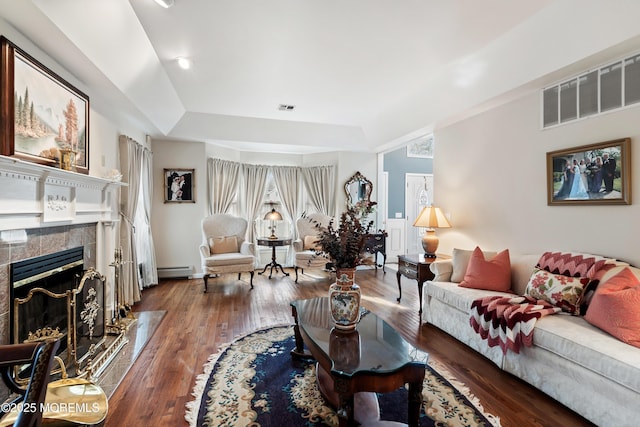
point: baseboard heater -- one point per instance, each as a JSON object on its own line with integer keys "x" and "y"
{"x": 175, "y": 272}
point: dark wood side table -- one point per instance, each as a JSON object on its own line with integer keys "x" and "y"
{"x": 416, "y": 267}
{"x": 273, "y": 243}
{"x": 377, "y": 244}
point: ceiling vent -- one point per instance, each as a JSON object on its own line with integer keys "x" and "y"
{"x": 286, "y": 107}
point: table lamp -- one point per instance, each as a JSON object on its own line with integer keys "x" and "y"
{"x": 273, "y": 215}
{"x": 431, "y": 217}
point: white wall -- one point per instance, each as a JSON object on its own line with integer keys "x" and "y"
{"x": 491, "y": 178}
{"x": 176, "y": 226}
{"x": 348, "y": 164}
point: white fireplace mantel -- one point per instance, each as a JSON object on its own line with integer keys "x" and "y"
{"x": 33, "y": 196}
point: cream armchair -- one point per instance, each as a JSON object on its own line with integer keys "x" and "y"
{"x": 224, "y": 249}
{"x": 304, "y": 246}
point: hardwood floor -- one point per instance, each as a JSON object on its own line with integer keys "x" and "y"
{"x": 158, "y": 386}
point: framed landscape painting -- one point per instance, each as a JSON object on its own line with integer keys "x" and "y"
{"x": 179, "y": 185}
{"x": 43, "y": 116}
{"x": 590, "y": 174}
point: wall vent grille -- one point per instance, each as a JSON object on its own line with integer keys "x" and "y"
{"x": 610, "y": 87}
{"x": 174, "y": 272}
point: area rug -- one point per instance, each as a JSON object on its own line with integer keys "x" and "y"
{"x": 255, "y": 382}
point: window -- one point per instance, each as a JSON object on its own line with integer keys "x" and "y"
{"x": 569, "y": 100}
{"x": 550, "y": 106}
{"x": 588, "y": 94}
{"x": 271, "y": 200}
{"x": 611, "y": 87}
{"x": 607, "y": 88}
{"x": 264, "y": 228}
{"x": 632, "y": 80}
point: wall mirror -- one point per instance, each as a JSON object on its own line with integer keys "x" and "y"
{"x": 358, "y": 188}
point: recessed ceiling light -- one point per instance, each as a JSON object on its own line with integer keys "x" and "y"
{"x": 184, "y": 63}
{"x": 165, "y": 3}
{"x": 286, "y": 107}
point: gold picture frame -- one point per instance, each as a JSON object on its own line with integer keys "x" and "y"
{"x": 591, "y": 174}
{"x": 42, "y": 115}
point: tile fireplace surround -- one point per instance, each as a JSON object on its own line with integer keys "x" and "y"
{"x": 45, "y": 210}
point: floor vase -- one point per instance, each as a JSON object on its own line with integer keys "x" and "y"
{"x": 344, "y": 298}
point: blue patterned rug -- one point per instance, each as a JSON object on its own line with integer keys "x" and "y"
{"x": 255, "y": 382}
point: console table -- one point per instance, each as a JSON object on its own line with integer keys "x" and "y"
{"x": 416, "y": 267}
{"x": 377, "y": 244}
{"x": 273, "y": 243}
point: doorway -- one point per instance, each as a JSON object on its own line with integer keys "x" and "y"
{"x": 418, "y": 194}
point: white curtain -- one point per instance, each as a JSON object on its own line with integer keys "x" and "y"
{"x": 222, "y": 184}
{"x": 288, "y": 180}
{"x": 146, "y": 252}
{"x": 320, "y": 183}
{"x": 254, "y": 184}
{"x": 131, "y": 154}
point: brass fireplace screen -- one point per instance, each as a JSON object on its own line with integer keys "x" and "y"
{"x": 85, "y": 320}
{"x": 53, "y": 304}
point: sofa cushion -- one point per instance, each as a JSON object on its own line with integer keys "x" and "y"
{"x": 223, "y": 245}
{"x": 441, "y": 270}
{"x": 521, "y": 268}
{"x": 561, "y": 291}
{"x": 309, "y": 259}
{"x": 615, "y": 307}
{"x": 228, "y": 259}
{"x": 460, "y": 260}
{"x": 492, "y": 274}
{"x": 571, "y": 264}
{"x": 573, "y": 338}
{"x": 456, "y": 296}
{"x": 610, "y": 269}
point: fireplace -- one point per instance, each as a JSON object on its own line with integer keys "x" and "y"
{"x": 52, "y": 296}
{"x": 30, "y": 227}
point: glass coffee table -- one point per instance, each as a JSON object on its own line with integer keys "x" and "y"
{"x": 373, "y": 358}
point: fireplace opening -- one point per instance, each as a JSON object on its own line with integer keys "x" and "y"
{"x": 52, "y": 298}
{"x": 56, "y": 273}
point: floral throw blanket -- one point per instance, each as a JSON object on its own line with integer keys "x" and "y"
{"x": 508, "y": 321}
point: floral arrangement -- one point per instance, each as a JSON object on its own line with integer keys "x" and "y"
{"x": 344, "y": 245}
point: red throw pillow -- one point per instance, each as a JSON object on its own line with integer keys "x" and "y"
{"x": 615, "y": 307}
{"x": 492, "y": 275}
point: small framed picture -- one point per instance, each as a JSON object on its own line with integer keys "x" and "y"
{"x": 421, "y": 147}
{"x": 590, "y": 174}
{"x": 180, "y": 186}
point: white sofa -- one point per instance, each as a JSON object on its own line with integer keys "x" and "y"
{"x": 577, "y": 364}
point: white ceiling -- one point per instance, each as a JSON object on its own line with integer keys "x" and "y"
{"x": 364, "y": 75}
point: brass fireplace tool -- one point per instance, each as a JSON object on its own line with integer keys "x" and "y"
{"x": 122, "y": 317}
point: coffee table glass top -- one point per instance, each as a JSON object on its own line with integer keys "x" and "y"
{"x": 373, "y": 347}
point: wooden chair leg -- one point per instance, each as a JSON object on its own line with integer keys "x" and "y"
{"x": 296, "y": 270}
{"x": 205, "y": 277}
{"x": 251, "y": 279}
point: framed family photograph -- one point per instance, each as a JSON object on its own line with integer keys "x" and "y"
{"x": 590, "y": 174}
{"x": 45, "y": 119}
{"x": 179, "y": 186}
